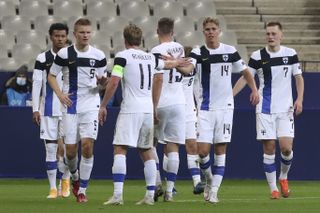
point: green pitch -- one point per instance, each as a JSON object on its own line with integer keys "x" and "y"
{"x": 20, "y": 195}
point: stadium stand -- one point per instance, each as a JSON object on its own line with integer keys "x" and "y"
{"x": 300, "y": 20}
{"x": 7, "y": 38}
{"x": 32, "y": 37}
{"x": 168, "y": 9}
{"x": 133, "y": 9}
{"x": 15, "y": 23}
{"x": 101, "y": 8}
{"x": 146, "y": 23}
{"x": 7, "y": 8}
{"x": 67, "y": 9}
{"x": 242, "y": 22}
{"x": 41, "y": 23}
{"x": 32, "y": 9}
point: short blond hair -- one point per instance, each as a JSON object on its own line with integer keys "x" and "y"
{"x": 81, "y": 22}
{"x": 132, "y": 35}
{"x": 210, "y": 20}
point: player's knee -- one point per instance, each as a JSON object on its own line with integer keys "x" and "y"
{"x": 286, "y": 152}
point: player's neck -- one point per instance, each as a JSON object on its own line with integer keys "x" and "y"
{"x": 165, "y": 38}
{"x": 82, "y": 48}
{"x": 55, "y": 49}
{"x": 273, "y": 48}
{"x": 132, "y": 47}
{"x": 213, "y": 45}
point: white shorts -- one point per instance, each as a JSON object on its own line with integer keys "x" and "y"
{"x": 172, "y": 124}
{"x": 50, "y": 127}
{"x": 80, "y": 125}
{"x": 215, "y": 126}
{"x": 274, "y": 126}
{"x": 134, "y": 130}
{"x": 191, "y": 130}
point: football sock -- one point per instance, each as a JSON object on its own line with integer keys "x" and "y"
{"x": 194, "y": 168}
{"x": 218, "y": 171}
{"x": 119, "y": 171}
{"x": 270, "y": 171}
{"x": 285, "y": 165}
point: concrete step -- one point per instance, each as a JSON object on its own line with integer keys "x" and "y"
{"x": 236, "y": 25}
{"x": 233, "y": 3}
{"x": 287, "y": 33}
{"x": 236, "y": 10}
{"x": 291, "y": 40}
{"x": 291, "y": 18}
{"x": 299, "y": 48}
{"x": 242, "y": 18}
{"x": 287, "y": 3}
{"x": 288, "y": 11}
{"x": 311, "y": 66}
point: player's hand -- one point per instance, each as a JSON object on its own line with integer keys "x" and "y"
{"x": 102, "y": 80}
{"x": 102, "y": 116}
{"x": 64, "y": 99}
{"x": 36, "y": 118}
{"x": 254, "y": 97}
{"x": 298, "y": 107}
{"x": 155, "y": 118}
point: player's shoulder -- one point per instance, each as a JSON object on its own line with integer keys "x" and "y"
{"x": 122, "y": 54}
{"x": 227, "y": 48}
{"x": 256, "y": 54}
{"x": 288, "y": 51}
{"x": 97, "y": 52}
{"x": 41, "y": 57}
{"x": 63, "y": 52}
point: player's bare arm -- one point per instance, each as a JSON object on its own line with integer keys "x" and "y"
{"x": 110, "y": 90}
{"x": 64, "y": 98}
{"x": 254, "y": 96}
{"x": 300, "y": 91}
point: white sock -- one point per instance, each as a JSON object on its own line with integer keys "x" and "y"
{"x": 63, "y": 168}
{"x": 119, "y": 170}
{"x": 86, "y": 165}
{"x": 205, "y": 166}
{"x": 173, "y": 167}
{"x": 155, "y": 155}
{"x": 194, "y": 168}
{"x": 218, "y": 171}
{"x": 270, "y": 171}
{"x": 51, "y": 162}
{"x": 285, "y": 165}
{"x": 150, "y": 174}
{"x": 73, "y": 167}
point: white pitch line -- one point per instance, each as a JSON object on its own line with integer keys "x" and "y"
{"x": 248, "y": 199}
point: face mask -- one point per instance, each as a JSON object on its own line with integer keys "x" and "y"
{"x": 21, "y": 81}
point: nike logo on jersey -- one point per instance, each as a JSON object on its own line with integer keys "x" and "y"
{"x": 265, "y": 62}
{"x": 72, "y": 62}
{"x": 49, "y": 64}
{"x": 204, "y": 59}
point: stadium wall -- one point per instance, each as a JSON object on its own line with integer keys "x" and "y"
{"x": 23, "y": 152}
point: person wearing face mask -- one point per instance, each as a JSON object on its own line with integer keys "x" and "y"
{"x": 18, "y": 89}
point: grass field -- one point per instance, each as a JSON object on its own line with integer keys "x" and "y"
{"x": 20, "y": 195}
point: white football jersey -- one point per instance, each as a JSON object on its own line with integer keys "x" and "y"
{"x": 188, "y": 82}
{"x": 275, "y": 71}
{"x": 172, "y": 89}
{"x": 44, "y": 99}
{"x": 214, "y": 67}
{"x": 79, "y": 71}
{"x": 136, "y": 68}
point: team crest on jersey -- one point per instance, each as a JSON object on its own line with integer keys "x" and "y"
{"x": 92, "y": 62}
{"x": 225, "y": 57}
{"x": 285, "y": 60}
